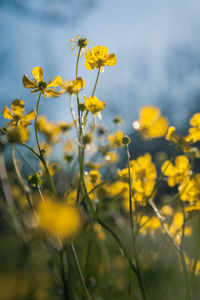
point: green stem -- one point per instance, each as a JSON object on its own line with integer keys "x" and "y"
{"x": 80, "y": 273}
{"x": 182, "y": 257}
{"x": 63, "y": 276}
{"x": 94, "y": 89}
{"x": 25, "y": 160}
{"x": 196, "y": 252}
{"x": 139, "y": 277}
{"x": 41, "y": 154}
{"x": 77, "y": 62}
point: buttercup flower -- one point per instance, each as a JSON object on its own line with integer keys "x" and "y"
{"x": 16, "y": 114}
{"x": 39, "y": 85}
{"x": 194, "y": 131}
{"x": 18, "y": 135}
{"x": 94, "y": 105}
{"x": 183, "y": 142}
{"x": 151, "y": 124}
{"x": 178, "y": 172}
{"x": 98, "y": 58}
{"x": 115, "y": 140}
{"x": 73, "y": 87}
{"x": 59, "y": 219}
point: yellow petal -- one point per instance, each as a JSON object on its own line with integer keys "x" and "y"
{"x": 158, "y": 128}
{"x": 7, "y": 113}
{"x": 181, "y": 162}
{"x": 89, "y": 66}
{"x": 148, "y": 114}
{"x": 57, "y": 81}
{"x": 29, "y": 84}
{"x": 195, "y": 120}
{"x": 111, "y": 60}
{"x": 30, "y": 116}
{"x": 38, "y": 73}
{"x": 52, "y": 94}
{"x": 100, "y": 51}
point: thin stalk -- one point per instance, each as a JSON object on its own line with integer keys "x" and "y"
{"x": 182, "y": 257}
{"x": 87, "y": 295}
{"x": 95, "y": 85}
{"x": 197, "y": 252}
{"x": 139, "y": 277}
{"x": 73, "y": 112}
{"x": 77, "y": 62}
{"x": 25, "y": 160}
{"x": 41, "y": 154}
{"x": 63, "y": 276}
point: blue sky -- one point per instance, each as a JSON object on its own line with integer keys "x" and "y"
{"x": 156, "y": 43}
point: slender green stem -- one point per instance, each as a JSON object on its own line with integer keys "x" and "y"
{"x": 63, "y": 276}
{"x": 87, "y": 295}
{"x": 77, "y": 62}
{"x": 41, "y": 154}
{"x": 25, "y": 160}
{"x": 139, "y": 277}
{"x": 182, "y": 257}
{"x": 95, "y": 85}
{"x": 197, "y": 252}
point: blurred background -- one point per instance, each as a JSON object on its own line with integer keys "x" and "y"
{"x": 156, "y": 43}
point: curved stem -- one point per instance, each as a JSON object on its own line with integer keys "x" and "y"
{"x": 77, "y": 62}
{"x": 95, "y": 85}
{"x": 41, "y": 154}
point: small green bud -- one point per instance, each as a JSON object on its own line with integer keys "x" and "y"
{"x": 126, "y": 140}
{"x": 35, "y": 179}
{"x": 81, "y": 106}
{"x": 117, "y": 120}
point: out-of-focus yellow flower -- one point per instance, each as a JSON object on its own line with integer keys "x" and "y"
{"x": 49, "y": 129}
{"x": 39, "y": 85}
{"x": 59, "y": 219}
{"x": 149, "y": 225}
{"x": 71, "y": 197}
{"x": 194, "y": 131}
{"x": 95, "y": 177}
{"x": 143, "y": 174}
{"x": 64, "y": 127}
{"x": 94, "y": 105}
{"x": 98, "y": 58}
{"x": 73, "y": 87}
{"x": 92, "y": 166}
{"x": 151, "y": 124}
{"x": 46, "y": 149}
{"x": 18, "y": 135}
{"x": 193, "y": 207}
{"x": 144, "y": 168}
{"x": 111, "y": 158}
{"x": 81, "y": 43}
{"x": 189, "y": 190}
{"x": 178, "y": 172}
{"x": 183, "y": 142}
{"x": 166, "y": 210}
{"x": 16, "y": 114}
{"x": 98, "y": 229}
{"x": 115, "y": 140}
{"x": 175, "y": 227}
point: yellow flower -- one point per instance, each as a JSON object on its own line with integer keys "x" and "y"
{"x": 98, "y": 58}
{"x": 94, "y": 105}
{"x": 143, "y": 167}
{"x": 111, "y": 158}
{"x": 189, "y": 190}
{"x": 151, "y": 124}
{"x": 149, "y": 225}
{"x": 194, "y": 131}
{"x": 115, "y": 140}
{"x": 16, "y": 114}
{"x": 178, "y": 172}
{"x": 182, "y": 142}
{"x": 54, "y": 167}
{"x": 95, "y": 177}
{"x": 81, "y": 43}
{"x": 73, "y": 87}
{"x": 59, "y": 219}
{"x": 18, "y": 135}
{"x": 39, "y": 85}
{"x": 49, "y": 129}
